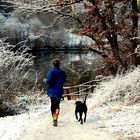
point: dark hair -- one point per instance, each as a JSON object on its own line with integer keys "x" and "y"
{"x": 56, "y": 62}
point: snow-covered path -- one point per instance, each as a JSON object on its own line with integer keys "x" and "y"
{"x": 68, "y": 128}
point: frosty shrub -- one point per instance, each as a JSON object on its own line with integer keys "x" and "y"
{"x": 18, "y": 82}
{"x": 137, "y": 50}
{"x": 14, "y": 70}
{"x": 33, "y": 101}
{"x": 121, "y": 89}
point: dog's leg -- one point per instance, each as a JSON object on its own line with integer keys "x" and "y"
{"x": 85, "y": 116}
{"x": 81, "y": 117}
{"x": 76, "y": 115}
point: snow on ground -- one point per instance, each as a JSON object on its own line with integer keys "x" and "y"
{"x": 107, "y": 118}
{"x": 104, "y": 121}
{"x": 116, "y": 101}
{"x": 12, "y": 127}
{"x": 68, "y": 128}
{"x": 118, "y": 119}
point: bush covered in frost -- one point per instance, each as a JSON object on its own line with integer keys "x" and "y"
{"x": 16, "y": 76}
{"x": 120, "y": 89}
{"x": 32, "y": 101}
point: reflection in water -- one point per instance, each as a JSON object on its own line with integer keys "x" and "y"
{"x": 42, "y": 61}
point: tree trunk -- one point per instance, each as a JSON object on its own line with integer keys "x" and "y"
{"x": 134, "y": 30}
{"x": 111, "y": 36}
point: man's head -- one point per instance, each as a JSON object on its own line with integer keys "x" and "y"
{"x": 56, "y": 62}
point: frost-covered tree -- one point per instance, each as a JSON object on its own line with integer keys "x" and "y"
{"x": 18, "y": 81}
{"x": 15, "y": 72}
{"x": 112, "y": 24}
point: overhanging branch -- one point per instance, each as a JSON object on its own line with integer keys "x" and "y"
{"x": 69, "y": 15}
{"x": 98, "y": 52}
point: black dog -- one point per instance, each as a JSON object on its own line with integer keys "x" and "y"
{"x": 81, "y": 108}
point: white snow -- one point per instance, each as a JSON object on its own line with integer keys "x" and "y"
{"x": 68, "y": 128}
{"x": 12, "y": 127}
{"x": 118, "y": 119}
{"x": 106, "y": 119}
{"x": 74, "y": 40}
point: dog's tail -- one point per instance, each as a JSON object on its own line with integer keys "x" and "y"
{"x": 85, "y": 98}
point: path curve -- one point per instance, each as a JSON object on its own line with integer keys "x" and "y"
{"x": 68, "y": 128}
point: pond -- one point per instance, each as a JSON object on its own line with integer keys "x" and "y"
{"x": 43, "y": 61}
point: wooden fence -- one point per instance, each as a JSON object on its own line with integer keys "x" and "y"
{"x": 74, "y": 92}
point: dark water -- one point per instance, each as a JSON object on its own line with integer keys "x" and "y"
{"x": 43, "y": 61}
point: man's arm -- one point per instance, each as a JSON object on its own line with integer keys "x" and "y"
{"x": 48, "y": 78}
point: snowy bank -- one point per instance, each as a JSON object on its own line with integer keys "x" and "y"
{"x": 116, "y": 102}
{"x": 120, "y": 89}
{"x": 120, "y": 120}
{"x": 109, "y": 112}
{"x": 13, "y": 127}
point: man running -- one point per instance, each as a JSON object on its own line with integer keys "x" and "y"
{"x": 55, "y": 80}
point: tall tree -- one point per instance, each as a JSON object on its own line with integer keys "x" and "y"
{"x": 135, "y": 28}
{"x": 112, "y": 24}
{"x": 115, "y": 21}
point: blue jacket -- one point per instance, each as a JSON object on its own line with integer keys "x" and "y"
{"x": 55, "y": 80}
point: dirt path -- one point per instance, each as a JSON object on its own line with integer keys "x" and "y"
{"x": 68, "y": 128}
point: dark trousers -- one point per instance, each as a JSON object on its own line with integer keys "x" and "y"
{"x": 54, "y": 104}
